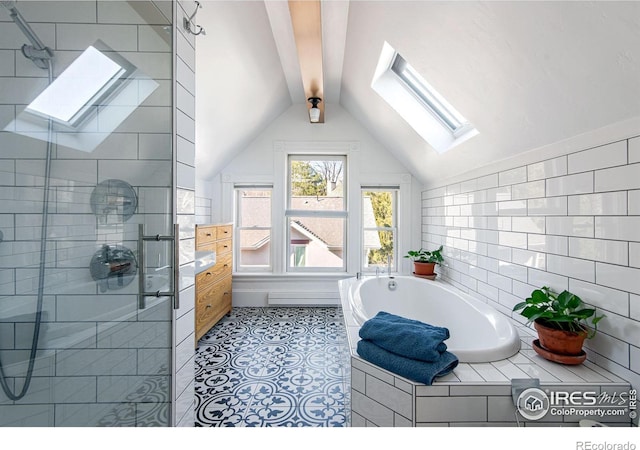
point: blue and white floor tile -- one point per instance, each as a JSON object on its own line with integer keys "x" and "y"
{"x": 267, "y": 367}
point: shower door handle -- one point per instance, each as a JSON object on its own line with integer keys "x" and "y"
{"x": 175, "y": 256}
{"x": 176, "y": 266}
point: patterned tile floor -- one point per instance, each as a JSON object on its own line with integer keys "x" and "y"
{"x": 274, "y": 367}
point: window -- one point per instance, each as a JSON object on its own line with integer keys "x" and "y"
{"x": 418, "y": 103}
{"x": 379, "y": 228}
{"x": 451, "y": 118}
{"x": 316, "y": 213}
{"x": 253, "y": 228}
{"x": 88, "y": 81}
{"x": 298, "y": 255}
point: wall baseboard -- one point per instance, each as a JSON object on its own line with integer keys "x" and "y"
{"x": 279, "y": 298}
{"x": 257, "y": 299}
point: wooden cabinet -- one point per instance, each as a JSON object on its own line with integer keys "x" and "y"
{"x": 213, "y": 285}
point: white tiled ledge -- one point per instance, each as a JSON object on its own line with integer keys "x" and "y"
{"x": 474, "y": 394}
{"x": 524, "y": 364}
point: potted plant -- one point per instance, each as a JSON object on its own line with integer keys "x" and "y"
{"x": 563, "y": 321}
{"x": 424, "y": 261}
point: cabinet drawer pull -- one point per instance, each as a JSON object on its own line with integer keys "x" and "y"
{"x": 208, "y": 274}
{"x": 209, "y": 306}
{"x": 226, "y": 293}
{"x": 208, "y": 234}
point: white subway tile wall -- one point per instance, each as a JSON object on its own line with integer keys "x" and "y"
{"x": 186, "y": 208}
{"x": 578, "y": 228}
{"x": 96, "y": 348}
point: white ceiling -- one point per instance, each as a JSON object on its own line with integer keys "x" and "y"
{"x": 526, "y": 74}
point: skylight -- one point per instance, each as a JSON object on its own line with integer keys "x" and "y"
{"x": 432, "y": 100}
{"x": 87, "y": 102}
{"x": 424, "y": 109}
{"x": 87, "y": 81}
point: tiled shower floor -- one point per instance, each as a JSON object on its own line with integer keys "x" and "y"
{"x": 274, "y": 366}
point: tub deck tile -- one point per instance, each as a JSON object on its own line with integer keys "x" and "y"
{"x": 587, "y": 374}
{"x": 557, "y": 370}
{"x": 509, "y": 369}
{"x": 605, "y": 373}
{"x": 535, "y": 371}
{"x": 489, "y": 372}
{"x": 466, "y": 373}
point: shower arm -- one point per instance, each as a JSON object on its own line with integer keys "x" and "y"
{"x": 37, "y": 51}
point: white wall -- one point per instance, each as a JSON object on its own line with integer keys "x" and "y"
{"x": 567, "y": 216}
{"x": 262, "y": 161}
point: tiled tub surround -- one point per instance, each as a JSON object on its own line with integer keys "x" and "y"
{"x": 474, "y": 394}
{"x": 569, "y": 222}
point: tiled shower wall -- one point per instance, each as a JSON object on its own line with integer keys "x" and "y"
{"x": 184, "y": 319}
{"x": 75, "y": 386}
{"x": 570, "y": 222}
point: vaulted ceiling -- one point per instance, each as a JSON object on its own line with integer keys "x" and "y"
{"x": 526, "y": 74}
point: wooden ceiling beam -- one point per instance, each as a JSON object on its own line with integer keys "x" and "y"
{"x": 307, "y": 32}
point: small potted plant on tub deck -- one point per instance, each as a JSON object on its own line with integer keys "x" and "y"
{"x": 563, "y": 321}
{"x": 424, "y": 261}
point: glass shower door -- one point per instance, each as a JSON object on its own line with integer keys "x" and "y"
{"x": 85, "y": 169}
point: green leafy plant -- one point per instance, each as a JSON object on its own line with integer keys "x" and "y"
{"x": 425, "y": 256}
{"x": 564, "y": 311}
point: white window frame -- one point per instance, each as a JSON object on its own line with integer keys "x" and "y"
{"x": 237, "y": 250}
{"x": 395, "y": 190}
{"x": 289, "y": 213}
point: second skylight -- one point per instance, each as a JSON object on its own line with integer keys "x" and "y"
{"x": 418, "y": 103}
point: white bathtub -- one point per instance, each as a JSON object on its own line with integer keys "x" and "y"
{"x": 478, "y": 332}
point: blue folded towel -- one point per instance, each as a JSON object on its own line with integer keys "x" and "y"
{"x": 405, "y": 337}
{"x": 412, "y": 369}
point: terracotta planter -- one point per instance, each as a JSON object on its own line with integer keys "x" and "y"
{"x": 423, "y": 268}
{"x": 560, "y": 342}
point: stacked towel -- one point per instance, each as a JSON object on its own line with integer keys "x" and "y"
{"x": 412, "y": 369}
{"x": 410, "y": 348}
{"x": 406, "y": 337}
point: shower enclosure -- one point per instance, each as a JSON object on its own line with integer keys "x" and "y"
{"x": 87, "y": 251}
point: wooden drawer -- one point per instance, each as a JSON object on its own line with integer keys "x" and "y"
{"x": 224, "y": 231}
{"x": 213, "y": 286}
{"x": 212, "y": 302}
{"x": 221, "y": 269}
{"x": 205, "y": 235}
{"x": 223, "y": 246}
